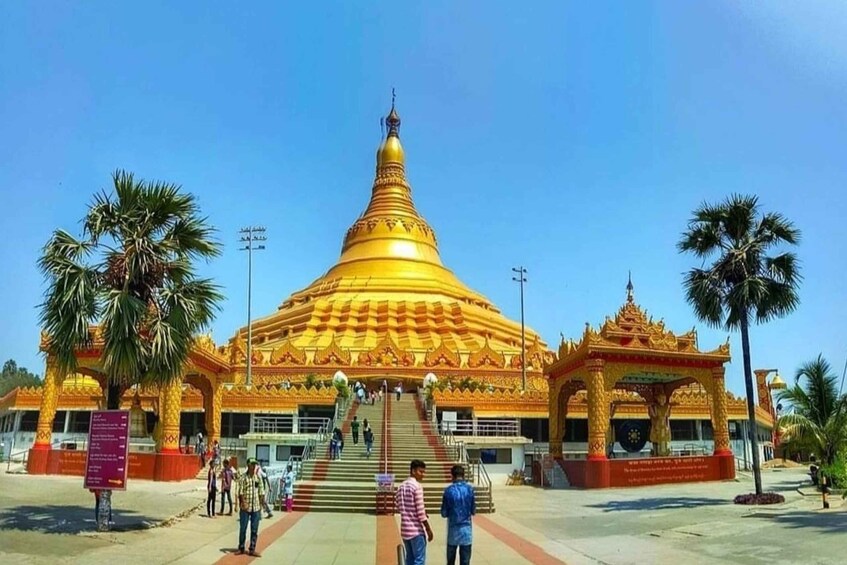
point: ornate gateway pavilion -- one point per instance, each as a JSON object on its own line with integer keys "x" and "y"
{"x": 389, "y": 310}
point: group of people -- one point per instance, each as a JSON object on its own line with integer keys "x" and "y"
{"x": 363, "y": 395}
{"x": 336, "y": 441}
{"x": 458, "y": 505}
{"x": 367, "y": 434}
{"x": 203, "y": 451}
{"x": 252, "y": 487}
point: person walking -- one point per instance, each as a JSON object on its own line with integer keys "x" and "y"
{"x": 414, "y": 523}
{"x": 458, "y": 504}
{"x": 368, "y": 435}
{"x": 398, "y": 390}
{"x": 267, "y": 483}
{"x": 211, "y": 490}
{"x": 216, "y": 453}
{"x": 288, "y": 488}
{"x": 251, "y": 498}
{"x": 227, "y": 475}
{"x": 354, "y": 427}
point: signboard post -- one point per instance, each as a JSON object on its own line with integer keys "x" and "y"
{"x": 384, "y": 493}
{"x": 106, "y": 462}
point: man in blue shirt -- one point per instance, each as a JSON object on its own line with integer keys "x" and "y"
{"x": 458, "y": 505}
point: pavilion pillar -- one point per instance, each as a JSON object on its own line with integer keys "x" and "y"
{"x": 597, "y": 470}
{"x": 40, "y": 452}
{"x": 171, "y": 398}
{"x": 212, "y": 404}
{"x": 171, "y": 465}
{"x": 555, "y": 430}
{"x": 720, "y": 424}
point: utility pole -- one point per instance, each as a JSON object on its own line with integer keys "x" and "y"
{"x": 520, "y": 279}
{"x": 251, "y": 238}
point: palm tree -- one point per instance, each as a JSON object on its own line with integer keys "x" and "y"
{"x": 743, "y": 284}
{"x": 819, "y": 417}
{"x": 132, "y": 274}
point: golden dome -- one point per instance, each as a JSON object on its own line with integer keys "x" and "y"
{"x": 389, "y": 281}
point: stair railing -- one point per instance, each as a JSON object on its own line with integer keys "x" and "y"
{"x": 480, "y": 478}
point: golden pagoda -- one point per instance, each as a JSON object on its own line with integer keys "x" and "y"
{"x": 389, "y": 307}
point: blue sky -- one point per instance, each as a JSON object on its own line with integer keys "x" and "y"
{"x": 574, "y": 139}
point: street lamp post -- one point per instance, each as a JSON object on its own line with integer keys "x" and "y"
{"x": 521, "y": 279}
{"x": 251, "y": 238}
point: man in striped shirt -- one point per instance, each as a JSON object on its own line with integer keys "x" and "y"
{"x": 251, "y": 498}
{"x": 414, "y": 523}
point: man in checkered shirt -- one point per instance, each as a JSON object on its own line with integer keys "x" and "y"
{"x": 251, "y": 498}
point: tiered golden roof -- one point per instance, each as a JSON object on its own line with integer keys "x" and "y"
{"x": 388, "y": 302}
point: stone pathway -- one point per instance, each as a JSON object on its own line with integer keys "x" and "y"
{"x": 48, "y": 520}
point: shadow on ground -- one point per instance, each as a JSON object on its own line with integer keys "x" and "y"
{"x": 827, "y": 522}
{"x": 661, "y": 503}
{"x": 71, "y": 519}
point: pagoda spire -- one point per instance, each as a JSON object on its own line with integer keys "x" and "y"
{"x": 630, "y": 295}
{"x": 391, "y": 227}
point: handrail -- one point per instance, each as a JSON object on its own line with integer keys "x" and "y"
{"x": 23, "y": 452}
{"x": 384, "y": 467}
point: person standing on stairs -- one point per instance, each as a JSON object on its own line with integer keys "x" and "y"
{"x": 398, "y": 390}
{"x": 369, "y": 439}
{"x": 414, "y": 523}
{"x": 354, "y": 427}
{"x": 458, "y": 504}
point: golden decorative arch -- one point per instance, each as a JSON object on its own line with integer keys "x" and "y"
{"x": 387, "y": 354}
{"x": 288, "y": 354}
{"x": 485, "y": 356}
{"x": 442, "y": 356}
{"x": 332, "y": 354}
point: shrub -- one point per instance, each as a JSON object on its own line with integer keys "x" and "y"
{"x": 836, "y": 472}
{"x": 764, "y": 498}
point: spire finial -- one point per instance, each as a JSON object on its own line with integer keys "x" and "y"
{"x": 629, "y": 288}
{"x": 393, "y": 118}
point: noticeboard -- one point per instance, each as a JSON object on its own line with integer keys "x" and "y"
{"x": 106, "y": 463}
{"x": 384, "y": 482}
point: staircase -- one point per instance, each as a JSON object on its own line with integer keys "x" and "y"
{"x": 401, "y": 433}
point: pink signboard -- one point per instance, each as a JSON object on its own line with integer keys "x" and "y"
{"x": 108, "y": 448}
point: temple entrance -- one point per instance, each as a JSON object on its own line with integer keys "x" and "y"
{"x": 632, "y": 360}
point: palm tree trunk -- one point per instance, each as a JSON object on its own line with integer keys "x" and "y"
{"x": 751, "y": 405}
{"x": 113, "y": 396}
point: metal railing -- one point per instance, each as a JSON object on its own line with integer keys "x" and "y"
{"x": 470, "y": 427}
{"x": 287, "y": 424}
{"x": 478, "y": 474}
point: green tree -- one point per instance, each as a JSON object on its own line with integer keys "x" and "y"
{"x": 819, "y": 416}
{"x": 13, "y": 377}
{"x": 744, "y": 284}
{"x": 131, "y": 273}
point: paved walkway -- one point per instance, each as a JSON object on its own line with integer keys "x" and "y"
{"x": 50, "y": 520}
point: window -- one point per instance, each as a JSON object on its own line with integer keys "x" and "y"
{"x": 576, "y": 430}
{"x": 683, "y": 430}
{"x": 535, "y": 429}
{"x": 283, "y": 452}
{"x": 59, "y": 422}
{"x": 491, "y": 456}
{"x": 29, "y": 421}
{"x": 263, "y": 454}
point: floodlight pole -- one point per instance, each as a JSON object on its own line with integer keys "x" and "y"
{"x": 251, "y": 238}
{"x": 521, "y": 279}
